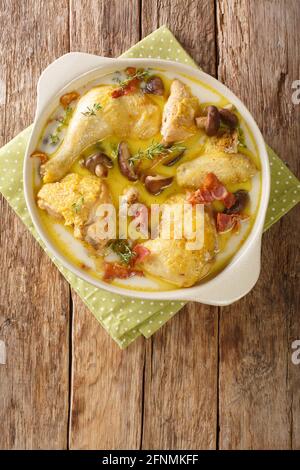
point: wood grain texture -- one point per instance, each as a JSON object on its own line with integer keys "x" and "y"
{"x": 208, "y": 378}
{"x": 106, "y": 406}
{"x": 259, "y": 385}
{"x": 180, "y": 397}
{"x": 105, "y": 28}
{"x": 181, "y": 360}
{"x": 191, "y": 21}
{"x": 34, "y": 298}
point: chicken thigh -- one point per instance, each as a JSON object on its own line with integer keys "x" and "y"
{"x": 229, "y": 168}
{"x": 75, "y": 200}
{"x": 97, "y": 116}
{"x": 172, "y": 261}
{"x": 179, "y": 114}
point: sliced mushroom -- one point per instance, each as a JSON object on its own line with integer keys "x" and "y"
{"x": 41, "y": 155}
{"x": 126, "y": 168}
{"x": 241, "y": 200}
{"x": 66, "y": 99}
{"x": 154, "y": 86}
{"x": 155, "y": 184}
{"x": 211, "y": 122}
{"x": 229, "y": 106}
{"x": 101, "y": 170}
{"x": 174, "y": 160}
{"x": 228, "y": 118}
{"x": 98, "y": 164}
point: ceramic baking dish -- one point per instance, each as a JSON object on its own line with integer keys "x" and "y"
{"x": 72, "y": 71}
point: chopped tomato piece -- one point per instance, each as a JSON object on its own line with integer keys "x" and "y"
{"x": 115, "y": 270}
{"x": 141, "y": 253}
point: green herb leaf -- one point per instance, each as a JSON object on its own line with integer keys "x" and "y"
{"x": 123, "y": 250}
{"x": 114, "y": 152}
{"x": 156, "y": 149}
{"x": 140, "y": 75}
{"x": 241, "y": 138}
{"x": 91, "y": 111}
{"x": 77, "y": 206}
{"x": 54, "y": 139}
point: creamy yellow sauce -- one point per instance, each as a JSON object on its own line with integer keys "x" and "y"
{"x": 117, "y": 183}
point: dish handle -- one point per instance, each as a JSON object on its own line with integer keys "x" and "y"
{"x": 233, "y": 284}
{"x": 62, "y": 71}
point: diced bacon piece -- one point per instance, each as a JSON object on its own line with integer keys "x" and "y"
{"x": 212, "y": 190}
{"x": 141, "y": 253}
{"x": 131, "y": 87}
{"x": 229, "y": 200}
{"x": 211, "y": 182}
{"x": 201, "y": 196}
{"x": 126, "y": 90}
{"x": 227, "y": 222}
{"x": 219, "y": 193}
{"x": 115, "y": 270}
{"x": 117, "y": 93}
{"x": 131, "y": 70}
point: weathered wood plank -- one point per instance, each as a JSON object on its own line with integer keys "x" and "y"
{"x": 106, "y": 403}
{"x": 34, "y": 298}
{"x": 181, "y": 364}
{"x": 259, "y": 386}
{"x": 180, "y": 402}
{"x": 191, "y": 21}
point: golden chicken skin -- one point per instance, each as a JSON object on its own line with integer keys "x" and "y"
{"x": 229, "y": 168}
{"x": 99, "y": 115}
{"x": 172, "y": 261}
{"x": 75, "y": 200}
{"x": 179, "y": 114}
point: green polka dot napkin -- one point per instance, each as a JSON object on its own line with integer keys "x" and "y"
{"x": 123, "y": 318}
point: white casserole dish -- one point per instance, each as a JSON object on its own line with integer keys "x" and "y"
{"x": 73, "y": 70}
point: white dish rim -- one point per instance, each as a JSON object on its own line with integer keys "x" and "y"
{"x": 202, "y": 292}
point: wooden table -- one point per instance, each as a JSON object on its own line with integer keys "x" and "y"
{"x": 212, "y": 377}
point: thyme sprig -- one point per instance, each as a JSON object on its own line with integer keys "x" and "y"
{"x": 241, "y": 138}
{"x": 54, "y": 139}
{"x": 91, "y": 111}
{"x": 77, "y": 206}
{"x": 64, "y": 120}
{"x": 123, "y": 250}
{"x": 154, "y": 150}
{"x": 140, "y": 75}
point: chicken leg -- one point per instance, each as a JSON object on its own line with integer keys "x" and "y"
{"x": 133, "y": 115}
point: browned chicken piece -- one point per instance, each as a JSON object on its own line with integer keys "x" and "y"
{"x": 172, "y": 261}
{"x": 76, "y": 200}
{"x": 226, "y": 141}
{"x": 229, "y": 168}
{"x": 133, "y": 115}
{"x": 179, "y": 114}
